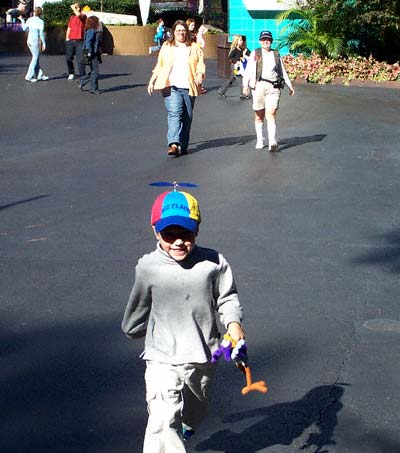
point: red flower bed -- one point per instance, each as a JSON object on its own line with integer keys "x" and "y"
{"x": 314, "y": 69}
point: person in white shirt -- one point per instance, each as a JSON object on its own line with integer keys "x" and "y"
{"x": 178, "y": 74}
{"x": 36, "y": 42}
{"x": 264, "y": 73}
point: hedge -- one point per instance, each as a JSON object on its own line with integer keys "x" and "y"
{"x": 58, "y": 14}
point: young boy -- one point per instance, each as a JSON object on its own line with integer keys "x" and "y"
{"x": 178, "y": 289}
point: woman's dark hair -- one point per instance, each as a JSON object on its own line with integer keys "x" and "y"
{"x": 171, "y": 40}
{"x": 92, "y": 22}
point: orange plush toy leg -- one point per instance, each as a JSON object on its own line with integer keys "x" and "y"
{"x": 251, "y": 386}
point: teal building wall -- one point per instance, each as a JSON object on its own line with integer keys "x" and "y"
{"x": 250, "y": 24}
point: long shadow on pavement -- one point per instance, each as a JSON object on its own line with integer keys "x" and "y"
{"x": 285, "y": 143}
{"x": 291, "y": 142}
{"x": 123, "y": 87}
{"x": 26, "y": 200}
{"x": 218, "y": 142}
{"x": 69, "y": 388}
{"x": 282, "y": 423}
{"x": 386, "y": 254}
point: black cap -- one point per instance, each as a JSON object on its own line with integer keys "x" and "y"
{"x": 266, "y": 35}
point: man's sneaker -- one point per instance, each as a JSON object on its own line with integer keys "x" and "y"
{"x": 71, "y": 77}
{"x": 43, "y": 77}
{"x": 260, "y": 144}
{"x": 33, "y": 80}
{"x": 273, "y": 147}
{"x": 187, "y": 433}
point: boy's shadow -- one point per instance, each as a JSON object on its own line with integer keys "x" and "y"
{"x": 282, "y": 424}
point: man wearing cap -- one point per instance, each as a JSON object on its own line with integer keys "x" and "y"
{"x": 263, "y": 74}
{"x": 178, "y": 289}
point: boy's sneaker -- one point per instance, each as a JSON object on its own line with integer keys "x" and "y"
{"x": 187, "y": 433}
{"x": 71, "y": 77}
{"x": 273, "y": 147}
{"x": 260, "y": 144}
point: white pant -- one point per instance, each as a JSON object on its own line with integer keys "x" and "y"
{"x": 175, "y": 394}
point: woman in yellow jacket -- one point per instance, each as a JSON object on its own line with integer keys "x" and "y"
{"x": 179, "y": 73}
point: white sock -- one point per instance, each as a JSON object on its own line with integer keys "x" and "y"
{"x": 259, "y": 131}
{"x": 271, "y": 127}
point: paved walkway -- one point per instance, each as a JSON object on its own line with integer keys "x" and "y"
{"x": 312, "y": 233}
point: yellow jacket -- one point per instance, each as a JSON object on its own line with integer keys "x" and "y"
{"x": 166, "y": 60}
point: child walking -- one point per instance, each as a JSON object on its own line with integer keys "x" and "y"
{"x": 238, "y": 56}
{"x": 178, "y": 290}
{"x": 159, "y": 37}
{"x": 92, "y": 45}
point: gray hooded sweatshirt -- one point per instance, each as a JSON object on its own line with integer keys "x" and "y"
{"x": 174, "y": 304}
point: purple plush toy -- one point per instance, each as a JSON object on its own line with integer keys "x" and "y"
{"x": 231, "y": 350}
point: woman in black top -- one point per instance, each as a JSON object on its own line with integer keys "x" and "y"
{"x": 238, "y": 56}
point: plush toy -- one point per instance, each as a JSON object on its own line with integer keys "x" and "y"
{"x": 230, "y": 350}
{"x": 236, "y": 351}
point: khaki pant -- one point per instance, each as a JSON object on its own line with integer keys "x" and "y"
{"x": 265, "y": 96}
{"x": 175, "y": 395}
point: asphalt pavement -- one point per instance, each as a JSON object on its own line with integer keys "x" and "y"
{"x": 312, "y": 233}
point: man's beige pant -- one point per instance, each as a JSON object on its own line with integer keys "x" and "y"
{"x": 175, "y": 395}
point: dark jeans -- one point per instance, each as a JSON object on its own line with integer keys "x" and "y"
{"x": 94, "y": 74}
{"x": 74, "y": 47}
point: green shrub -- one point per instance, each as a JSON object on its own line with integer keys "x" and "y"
{"x": 58, "y": 14}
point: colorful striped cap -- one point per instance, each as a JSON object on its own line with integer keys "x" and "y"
{"x": 175, "y": 208}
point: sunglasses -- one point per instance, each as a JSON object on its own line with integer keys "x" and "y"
{"x": 172, "y": 236}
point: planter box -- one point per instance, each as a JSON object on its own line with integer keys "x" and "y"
{"x": 117, "y": 40}
{"x": 128, "y": 40}
{"x": 55, "y": 41}
{"x": 13, "y": 41}
{"x": 210, "y": 49}
{"x": 137, "y": 40}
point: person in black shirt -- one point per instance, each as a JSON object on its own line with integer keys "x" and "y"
{"x": 238, "y": 56}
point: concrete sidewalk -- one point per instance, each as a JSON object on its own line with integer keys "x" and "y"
{"x": 312, "y": 233}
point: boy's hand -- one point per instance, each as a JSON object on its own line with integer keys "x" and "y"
{"x": 239, "y": 352}
{"x": 235, "y": 331}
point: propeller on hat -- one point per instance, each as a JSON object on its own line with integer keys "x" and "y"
{"x": 174, "y": 184}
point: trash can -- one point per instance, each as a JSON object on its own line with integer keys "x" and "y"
{"x": 223, "y": 64}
